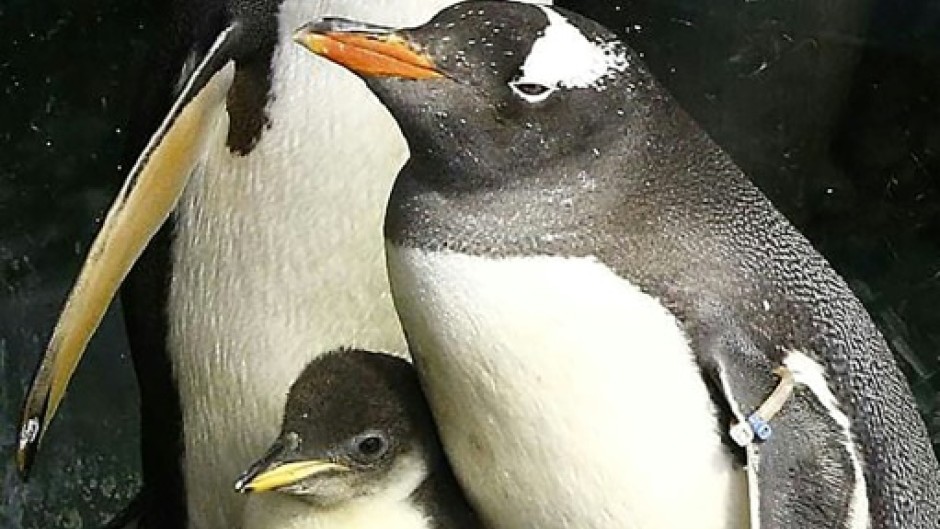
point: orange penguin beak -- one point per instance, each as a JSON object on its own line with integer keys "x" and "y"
{"x": 368, "y": 50}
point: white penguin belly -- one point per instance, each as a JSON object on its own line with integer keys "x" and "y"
{"x": 278, "y": 256}
{"x": 565, "y": 396}
{"x": 280, "y": 511}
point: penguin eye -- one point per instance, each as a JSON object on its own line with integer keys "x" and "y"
{"x": 531, "y": 92}
{"x": 369, "y": 446}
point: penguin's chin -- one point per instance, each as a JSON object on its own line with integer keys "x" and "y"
{"x": 323, "y": 493}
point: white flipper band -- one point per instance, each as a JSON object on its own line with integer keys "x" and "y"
{"x": 757, "y": 426}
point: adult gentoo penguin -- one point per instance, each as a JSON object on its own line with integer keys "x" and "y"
{"x": 358, "y": 448}
{"x": 597, "y": 299}
{"x": 278, "y": 165}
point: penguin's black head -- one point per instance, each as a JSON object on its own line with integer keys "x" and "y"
{"x": 516, "y": 81}
{"x": 355, "y": 425}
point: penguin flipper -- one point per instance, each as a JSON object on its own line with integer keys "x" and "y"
{"x": 804, "y": 469}
{"x": 149, "y": 194}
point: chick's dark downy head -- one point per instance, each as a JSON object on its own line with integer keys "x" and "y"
{"x": 355, "y": 425}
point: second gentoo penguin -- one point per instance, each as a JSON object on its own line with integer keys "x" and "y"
{"x": 609, "y": 319}
{"x": 276, "y": 166}
{"x": 358, "y": 449}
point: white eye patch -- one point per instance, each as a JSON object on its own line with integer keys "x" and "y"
{"x": 563, "y": 57}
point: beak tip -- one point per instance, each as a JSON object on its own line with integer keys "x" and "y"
{"x": 318, "y": 26}
{"x": 301, "y": 33}
{"x": 243, "y": 485}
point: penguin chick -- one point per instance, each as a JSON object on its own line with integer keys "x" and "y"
{"x": 358, "y": 448}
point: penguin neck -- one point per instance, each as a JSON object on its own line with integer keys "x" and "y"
{"x": 280, "y": 511}
{"x": 482, "y": 206}
{"x": 504, "y": 208}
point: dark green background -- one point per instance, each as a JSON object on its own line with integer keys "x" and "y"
{"x": 832, "y": 107}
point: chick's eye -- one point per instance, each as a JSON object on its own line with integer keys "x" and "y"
{"x": 532, "y": 92}
{"x": 370, "y": 445}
